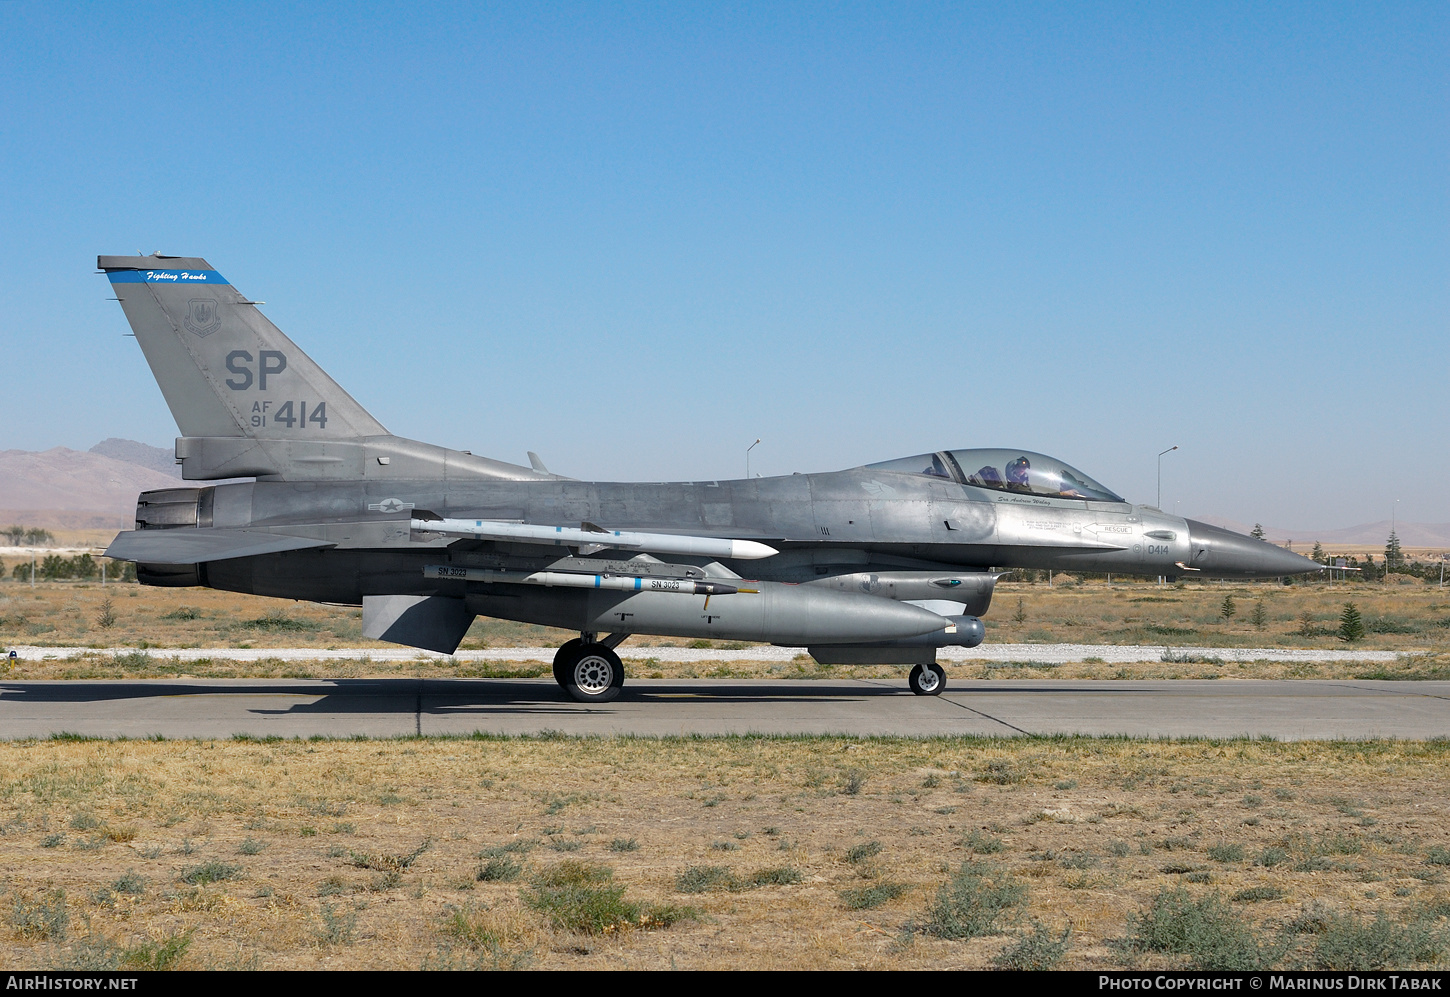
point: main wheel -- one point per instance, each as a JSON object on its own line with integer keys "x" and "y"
{"x": 928, "y": 680}
{"x": 594, "y": 675}
{"x": 563, "y": 658}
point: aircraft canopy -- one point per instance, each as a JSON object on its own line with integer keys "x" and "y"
{"x": 1006, "y": 471}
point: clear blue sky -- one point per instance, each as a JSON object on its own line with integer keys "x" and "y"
{"x": 636, "y": 237}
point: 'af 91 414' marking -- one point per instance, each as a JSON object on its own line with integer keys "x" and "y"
{"x": 286, "y": 415}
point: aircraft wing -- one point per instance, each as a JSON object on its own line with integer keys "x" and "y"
{"x": 187, "y": 546}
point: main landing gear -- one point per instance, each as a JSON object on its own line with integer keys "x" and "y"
{"x": 589, "y": 670}
{"x": 928, "y": 680}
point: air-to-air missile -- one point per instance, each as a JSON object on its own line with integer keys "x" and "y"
{"x": 883, "y": 563}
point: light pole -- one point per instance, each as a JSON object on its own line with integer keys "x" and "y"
{"x": 1159, "y": 503}
{"x": 747, "y": 457}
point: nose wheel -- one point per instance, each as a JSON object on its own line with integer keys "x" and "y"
{"x": 589, "y": 672}
{"x": 928, "y": 680}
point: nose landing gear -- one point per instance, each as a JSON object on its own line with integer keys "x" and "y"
{"x": 928, "y": 680}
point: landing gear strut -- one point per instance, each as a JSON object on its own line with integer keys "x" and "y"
{"x": 928, "y": 680}
{"x": 589, "y": 670}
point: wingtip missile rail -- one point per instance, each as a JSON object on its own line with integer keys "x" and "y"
{"x": 565, "y": 536}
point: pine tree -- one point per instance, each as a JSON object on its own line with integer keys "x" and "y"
{"x": 1394, "y": 557}
{"x": 1351, "y": 625}
{"x": 1260, "y": 616}
{"x": 1228, "y": 609}
{"x": 1257, "y": 532}
{"x": 1318, "y": 553}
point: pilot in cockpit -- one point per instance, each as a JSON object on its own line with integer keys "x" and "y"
{"x": 1017, "y": 475}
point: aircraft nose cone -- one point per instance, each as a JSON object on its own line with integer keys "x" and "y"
{"x": 1224, "y": 553}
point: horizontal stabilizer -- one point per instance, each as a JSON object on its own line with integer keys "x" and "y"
{"x": 565, "y": 536}
{"x": 183, "y": 546}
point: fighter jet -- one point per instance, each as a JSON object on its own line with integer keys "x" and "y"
{"x": 883, "y": 563}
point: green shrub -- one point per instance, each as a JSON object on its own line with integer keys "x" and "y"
{"x": 385, "y": 881}
{"x": 209, "y": 872}
{"x": 701, "y": 878}
{"x": 1035, "y": 951}
{"x": 499, "y": 870}
{"x": 980, "y": 843}
{"x": 468, "y": 926}
{"x": 624, "y": 845}
{"x": 780, "y": 876}
{"x": 971, "y": 903}
{"x": 860, "y": 853}
{"x": 44, "y": 916}
{"x": 276, "y": 622}
{"x": 575, "y": 896}
{"x": 1256, "y": 893}
{"x": 339, "y": 927}
{"x": 131, "y": 884}
{"x": 873, "y": 896}
{"x": 1001, "y": 772}
{"x": 158, "y": 956}
{"x": 1224, "y": 852}
{"x": 1210, "y": 933}
{"x": 1348, "y": 942}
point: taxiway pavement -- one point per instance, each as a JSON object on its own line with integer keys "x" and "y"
{"x": 211, "y": 708}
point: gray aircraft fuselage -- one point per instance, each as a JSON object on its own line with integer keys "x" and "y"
{"x": 884, "y": 562}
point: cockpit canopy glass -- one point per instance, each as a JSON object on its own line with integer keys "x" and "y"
{"x": 1004, "y": 470}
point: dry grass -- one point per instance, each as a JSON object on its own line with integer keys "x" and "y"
{"x": 372, "y": 851}
{"x": 1411, "y": 618}
{"x": 1407, "y": 616}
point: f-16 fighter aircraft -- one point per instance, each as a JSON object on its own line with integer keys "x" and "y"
{"x": 884, "y": 563}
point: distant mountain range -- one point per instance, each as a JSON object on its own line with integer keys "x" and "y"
{"x": 140, "y": 454}
{"x": 69, "y": 489}
{"x": 62, "y": 488}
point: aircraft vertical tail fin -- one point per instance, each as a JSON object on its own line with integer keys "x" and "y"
{"x": 224, "y": 369}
